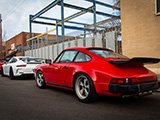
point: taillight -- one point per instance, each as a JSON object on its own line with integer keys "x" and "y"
{"x": 20, "y": 65}
{"x": 156, "y": 77}
{"x": 121, "y": 80}
{"x": 34, "y": 70}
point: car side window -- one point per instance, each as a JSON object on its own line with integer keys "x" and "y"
{"x": 67, "y": 56}
{"x": 13, "y": 60}
{"x": 82, "y": 57}
{"x": 58, "y": 59}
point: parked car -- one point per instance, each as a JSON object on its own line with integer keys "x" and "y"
{"x": 91, "y": 71}
{"x": 19, "y": 66}
{"x": 1, "y": 63}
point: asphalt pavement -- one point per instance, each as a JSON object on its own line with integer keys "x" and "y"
{"x": 20, "y": 99}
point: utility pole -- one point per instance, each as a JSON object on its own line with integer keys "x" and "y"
{"x": 0, "y": 37}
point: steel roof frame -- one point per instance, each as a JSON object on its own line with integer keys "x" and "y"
{"x": 91, "y": 9}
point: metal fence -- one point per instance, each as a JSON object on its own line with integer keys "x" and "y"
{"x": 42, "y": 47}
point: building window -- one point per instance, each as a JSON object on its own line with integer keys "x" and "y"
{"x": 9, "y": 51}
{"x": 19, "y": 48}
{"x": 157, "y": 7}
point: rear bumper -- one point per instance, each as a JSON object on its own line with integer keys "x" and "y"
{"x": 23, "y": 71}
{"x": 24, "y": 74}
{"x": 133, "y": 88}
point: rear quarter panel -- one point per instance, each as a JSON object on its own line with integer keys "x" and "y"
{"x": 99, "y": 71}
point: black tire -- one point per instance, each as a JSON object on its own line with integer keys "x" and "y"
{"x": 11, "y": 74}
{"x": 40, "y": 82}
{"x": 84, "y": 88}
{"x": 2, "y": 74}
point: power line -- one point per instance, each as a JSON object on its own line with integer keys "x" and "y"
{"x": 20, "y": 2}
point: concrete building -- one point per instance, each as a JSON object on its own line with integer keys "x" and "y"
{"x": 140, "y": 22}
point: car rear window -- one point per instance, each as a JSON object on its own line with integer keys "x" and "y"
{"x": 105, "y": 53}
{"x": 30, "y": 60}
{"x": 33, "y": 60}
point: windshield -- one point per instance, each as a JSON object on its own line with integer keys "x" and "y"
{"x": 105, "y": 53}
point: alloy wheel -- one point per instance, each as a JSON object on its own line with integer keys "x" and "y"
{"x": 40, "y": 80}
{"x": 82, "y": 87}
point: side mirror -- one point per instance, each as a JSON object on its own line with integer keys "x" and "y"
{"x": 5, "y": 62}
{"x": 48, "y": 61}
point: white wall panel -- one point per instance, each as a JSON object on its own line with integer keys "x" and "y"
{"x": 89, "y": 42}
{"x": 98, "y": 40}
{"x": 110, "y": 40}
{"x": 29, "y": 53}
{"x": 37, "y": 53}
{"x": 46, "y": 52}
{"x": 60, "y": 48}
{"x": 66, "y": 44}
{"x": 43, "y": 53}
{"x": 51, "y": 50}
{"x": 72, "y": 43}
{"x": 34, "y": 53}
{"x": 80, "y": 42}
{"x": 55, "y": 51}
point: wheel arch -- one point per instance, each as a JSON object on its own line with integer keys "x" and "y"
{"x": 75, "y": 75}
{"x": 92, "y": 94}
{"x": 11, "y": 68}
{"x": 40, "y": 69}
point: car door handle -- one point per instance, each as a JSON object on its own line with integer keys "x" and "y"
{"x": 65, "y": 67}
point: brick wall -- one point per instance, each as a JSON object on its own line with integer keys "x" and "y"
{"x": 21, "y": 38}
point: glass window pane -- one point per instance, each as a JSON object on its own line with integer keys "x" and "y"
{"x": 82, "y": 57}
{"x": 10, "y": 60}
{"x": 68, "y": 56}
{"x": 13, "y": 60}
{"x": 105, "y": 53}
{"x": 58, "y": 59}
{"x": 19, "y": 48}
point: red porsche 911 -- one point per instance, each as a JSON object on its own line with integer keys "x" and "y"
{"x": 92, "y": 71}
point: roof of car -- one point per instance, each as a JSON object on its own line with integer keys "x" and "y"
{"x": 23, "y": 57}
{"x": 18, "y": 57}
{"x": 84, "y": 48}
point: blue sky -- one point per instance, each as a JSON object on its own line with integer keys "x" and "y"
{"x": 15, "y": 14}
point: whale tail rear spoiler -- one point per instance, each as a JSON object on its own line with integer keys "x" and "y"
{"x": 134, "y": 61}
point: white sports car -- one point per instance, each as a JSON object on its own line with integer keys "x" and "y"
{"x": 18, "y": 66}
